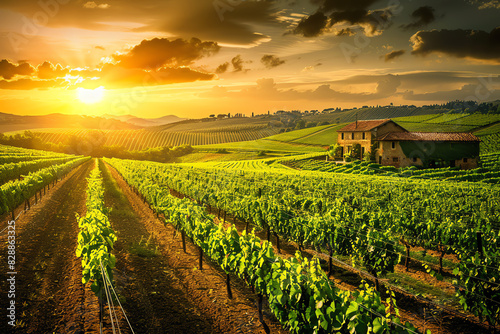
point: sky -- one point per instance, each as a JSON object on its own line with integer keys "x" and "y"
{"x": 193, "y": 58}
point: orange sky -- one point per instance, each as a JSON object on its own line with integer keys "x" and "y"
{"x": 192, "y": 58}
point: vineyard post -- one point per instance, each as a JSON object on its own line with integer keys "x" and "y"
{"x": 183, "y": 235}
{"x": 442, "y": 250}
{"x": 201, "y": 258}
{"x": 225, "y": 212}
{"x": 268, "y": 233}
{"x": 246, "y": 227}
{"x": 13, "y": 216}
{"x": 261, "y": 318}
{"x": 278, "y": 242}
{"x": 330, "y": 261}
{"x": 479, "y": 244}
{"x": 101, "y": 308}
{"x": 228, "y": 285}
{"x": 36, "y": 198}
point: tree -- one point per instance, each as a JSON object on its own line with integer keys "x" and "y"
{"x": 335, "y": 151}
{"x": 356, "y": 151}
{"x": 300, "y": 124}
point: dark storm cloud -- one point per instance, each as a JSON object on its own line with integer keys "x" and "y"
{"x": 333, "y": 12}
{"x": 475, "y": 44}
{"x": 158, "y": 52}
{"x": 232, "y": 22}
{"x": 421, "y": 17}
{"x": 271, "y": 61}
{"x": 394, "y": 54}
{"x": 8, "y": 70}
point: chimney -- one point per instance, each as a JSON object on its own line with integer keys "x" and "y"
{"x": 356, "y": 120}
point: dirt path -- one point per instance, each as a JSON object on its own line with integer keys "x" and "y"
{"x": 49, "y": 294}
{"x": 172, "y": 267}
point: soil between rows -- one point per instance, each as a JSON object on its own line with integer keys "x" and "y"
{"x": 49, "y": 296}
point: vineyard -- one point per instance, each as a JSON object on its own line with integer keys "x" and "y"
{"x": 277, "y": 245}
{"x": 489, "y": 172}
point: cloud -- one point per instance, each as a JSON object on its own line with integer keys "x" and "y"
{"x": 474, "y": 44}
{"x": 487, "y": 4}
{"x": 222, "y": 68}
{"x": 334, "y": 12}
{"x": 421, "y": 17}
{"x": 29, "y": 84}
{"x": 99, "y": 47}
{"x": 48, "y": 71}
{"x": 115, "y": 76}
{"x": 266, "y": 89}
{"x": 237, "y": 63}
{"x": 158, "y": 52}
{"x": 92, "y": 5}
{"x": 237, "y": 23}
{"x": 394, "y": 54}
{"x": 484, "y": 89}
{"x": 8, "y": 70}
{"x": 271, "y": 61}
{"x": 312, "y": 26}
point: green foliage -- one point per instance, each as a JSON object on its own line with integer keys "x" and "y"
{"x": 300, "y": 294}
{"x": 96, "y": 237}
{"x": 15, "y": 192}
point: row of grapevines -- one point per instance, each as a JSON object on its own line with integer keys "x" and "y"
{"x": 15, "y": 192}
{"x": 15, "y": 170}
{"x": 366, "y": 221}
{"x": 96, "y": 237}
{"x": 300, "y": 294}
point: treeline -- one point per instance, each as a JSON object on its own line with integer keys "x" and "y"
{"x": 93, "y": 145}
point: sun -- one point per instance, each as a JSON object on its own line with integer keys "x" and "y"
{"x": 90, "y": 96}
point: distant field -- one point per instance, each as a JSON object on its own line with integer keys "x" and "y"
{"x": 142, "y": 139}
{"x": 263, "y": 145}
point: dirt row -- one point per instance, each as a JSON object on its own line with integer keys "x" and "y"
{"x": 49, "y": 295}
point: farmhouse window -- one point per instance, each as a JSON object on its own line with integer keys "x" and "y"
{"x": 465, "y": 159}
{"x": 393, "y": 145}
{"x": 414, "y": 159}
{"x": 353, "y": 135}
{"x": 342, "y": 136}
{"x": 364, "y": 135}
{"x": 395, "y": 159}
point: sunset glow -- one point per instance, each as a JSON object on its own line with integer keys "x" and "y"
{"x": 90, "y": 96}
{"x": 247, "y": 56}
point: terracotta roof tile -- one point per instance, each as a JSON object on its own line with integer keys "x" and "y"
{"x": 364, "y": 125}
{"x": 430, "y": 136}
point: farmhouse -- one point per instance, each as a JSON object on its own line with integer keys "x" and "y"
{"x": 391, "y": 144}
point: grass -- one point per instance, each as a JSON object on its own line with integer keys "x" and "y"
{"x": 145, "y": 248}
{"x": 294, "y": 135}
{"x": 263, "y": 145}
{"x": 218, "y": 157}
{"x": 326, "y": 137}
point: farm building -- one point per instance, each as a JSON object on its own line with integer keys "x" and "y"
{"x": 395, "y": 146}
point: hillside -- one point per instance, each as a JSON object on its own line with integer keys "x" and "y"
{"x": 12, "y": 123}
